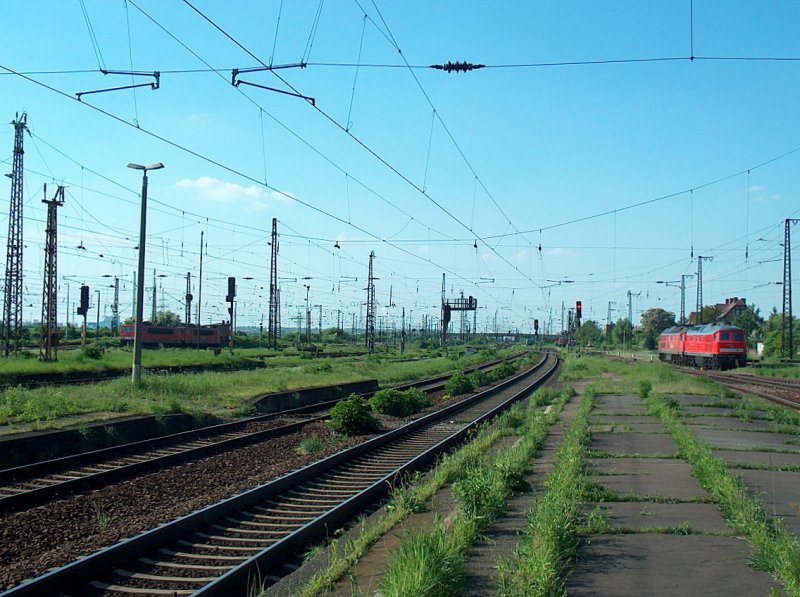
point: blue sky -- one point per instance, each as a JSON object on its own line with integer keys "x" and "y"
{"x": 416, "y": 164}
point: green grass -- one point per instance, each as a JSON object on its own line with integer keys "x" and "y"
{"x": 222, "y": 394}
{"x": 776, "y": 550}
{"x": 481, "y": 492}
{"x": 409, "y": 499}
{"x": 551, "y": 538}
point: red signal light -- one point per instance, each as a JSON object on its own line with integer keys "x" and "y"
{"x": 578, "y": 309}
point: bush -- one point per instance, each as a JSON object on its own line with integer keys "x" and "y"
{"x": 417, "y": 399}
{"x": 351, "y": 416}
{"x": 480, "y": 378}
{"x": 94, "y": 351}
{"x": 502, "y": 371}
{"x": 389, "y": 402}
{"x": 458, "y": 384}
{"x": 399, "y": 403}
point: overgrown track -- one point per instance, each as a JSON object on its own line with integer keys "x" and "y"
{"x": 34, "y": 484}
{"x": 783, "y": 391}
{"x": 220, "y": 549}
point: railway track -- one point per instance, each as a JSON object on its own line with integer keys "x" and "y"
{"x": 245, "y": 539}
{"x": 37, "y": 483}
{"x": 783, "y": 391}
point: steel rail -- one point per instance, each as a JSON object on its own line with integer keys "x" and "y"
{"x": 30, "y": 485}
{"x": 227, "y": 578}
{"x": 751, "y": 386}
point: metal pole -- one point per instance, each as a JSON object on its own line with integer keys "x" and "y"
{"x": 200, "y": 290}
{"x": 136, "y": 371}
{"x": 97, "y": 330}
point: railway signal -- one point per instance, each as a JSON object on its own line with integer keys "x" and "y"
{"x": 83, "y": 309}
{"x": 230, "y": 298}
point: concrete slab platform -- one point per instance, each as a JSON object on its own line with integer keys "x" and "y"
{"x": 601, "y": 419}
{"x": 716, "y": 410}
{"x": 778, "y": 492}
{"x": 747, "y": 440}
{"x": 636, "y": 466}
{"x": 768, "y": 459}
{"x": 632, "y": 427}
{"x": 703, "y": 400}
{"x": 633, "y": 443}
{"x": 625, "y": 404}
{"x": 652, "y": 477}
{"x": 665, "y": 565}
{"x": 643, "y": 515}
{"x": 729, "y": 423}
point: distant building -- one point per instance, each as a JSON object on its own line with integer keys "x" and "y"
{"x": 730, "y": 309}
{"x": 726, "y": 312}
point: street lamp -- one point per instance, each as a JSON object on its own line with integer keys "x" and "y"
{"x": 136, "y": 372}
{"x": 682, "y": 285}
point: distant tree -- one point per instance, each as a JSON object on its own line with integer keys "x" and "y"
{"x": 749, "y": 320}
{"x": 623, "y": 331}
{"x": 708, "y": 314}
{"x": 167, "y": 318}
{"x": 655, "y": 321}
{"x": 589, "y": 333}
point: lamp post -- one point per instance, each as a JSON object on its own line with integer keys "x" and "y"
{"x": 682, "y": 285}
{"x": 136, "y": 372}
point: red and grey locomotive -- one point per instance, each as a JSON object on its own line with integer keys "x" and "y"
{"x": 711, "y": 346}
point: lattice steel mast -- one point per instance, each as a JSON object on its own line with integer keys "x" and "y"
{"x": 370, "y": 327}
{"x": 787, "y": 340}
{"x": 12, "y": 304}
{"x": 273, "y": 323}
{"x": 700, "y": 287}
{"x": 48, "y": 348}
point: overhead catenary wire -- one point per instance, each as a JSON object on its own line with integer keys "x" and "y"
{"x": 232, "y": 170}
{"x": 358, "y": 140}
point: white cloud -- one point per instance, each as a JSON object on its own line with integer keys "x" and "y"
{"x": 757, "y": 188}
{"x": 560, "y": 252}
{"x": 213, "y": 189}
{"x": 199, "y": 117}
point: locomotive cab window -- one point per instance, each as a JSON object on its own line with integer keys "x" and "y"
{"x": 725, "y": 336}
{"x": 739, "y": 337}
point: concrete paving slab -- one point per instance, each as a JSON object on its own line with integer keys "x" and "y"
{"x": 768, "y": 459}
{"x": 703, "y": 400}
{"x": 632, "y": 427}
{"x": 619, "y": 404}
{"x": 636, "y": 466}
{"x": 778, "y": 490}
{"x": 602, "y": 419}
{"x": 652, "y": 477}
{"x": 730, "y": 423}
{"x": 665, "y": 565}
{"x": 717, "y": 410}
{"x": 746, "y": 440}
{"x": 633, "y": 443}
{"x": 643, "y": 515}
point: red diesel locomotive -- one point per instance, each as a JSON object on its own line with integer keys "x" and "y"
{"x": 711, "y": 345}
{"x": 214, "y": 335}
